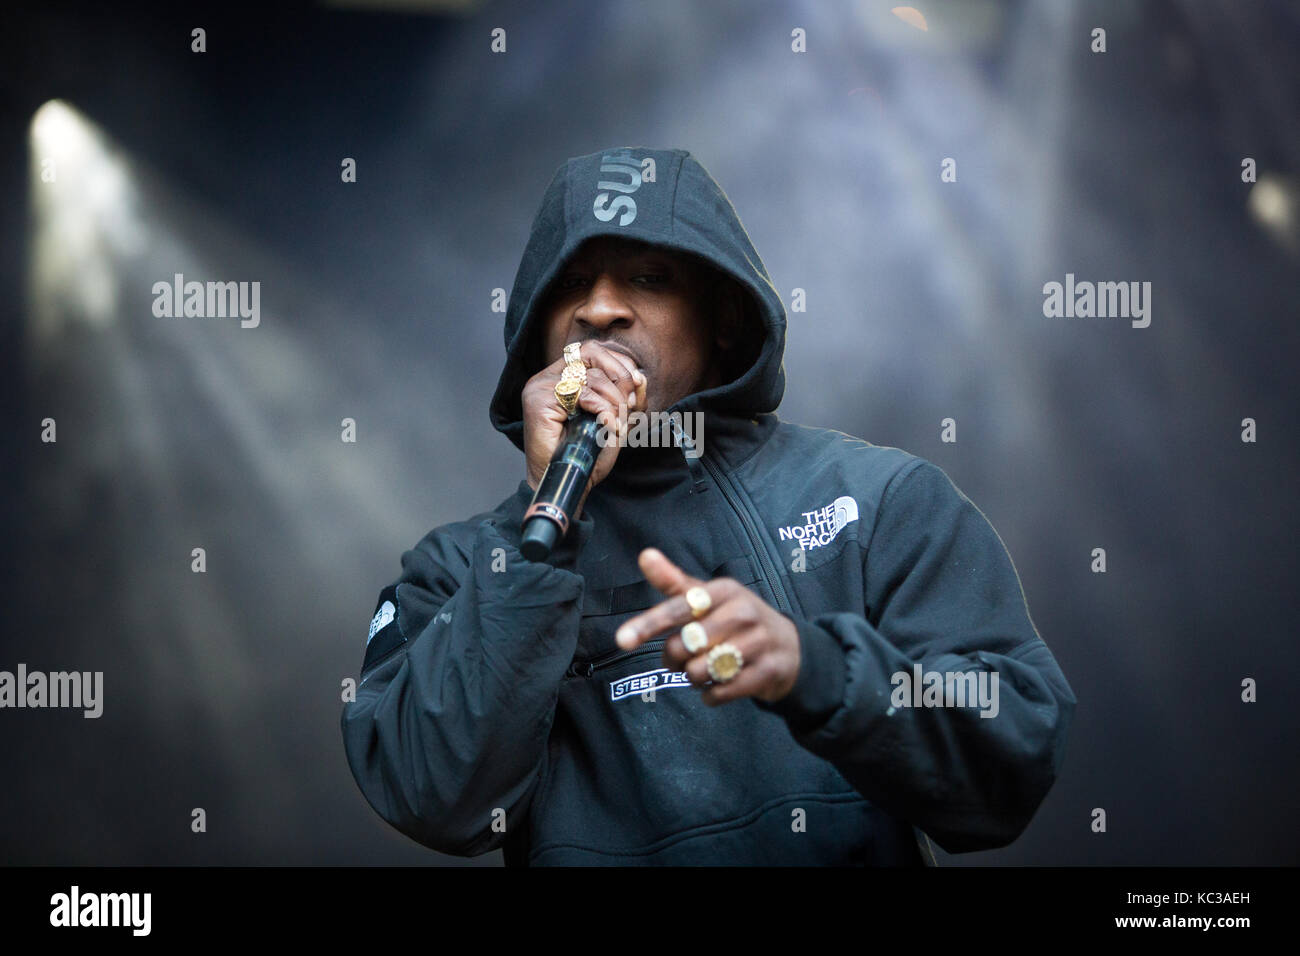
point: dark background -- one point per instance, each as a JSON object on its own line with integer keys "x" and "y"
{"x": 924, "y": 302}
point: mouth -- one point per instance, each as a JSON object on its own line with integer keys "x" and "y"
{"x": 621, "y": 350}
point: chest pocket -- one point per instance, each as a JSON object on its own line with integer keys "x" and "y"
{"x": 846, "y": 542}
{"x": 831, "y": 579}
{"x": 605, "y": 609}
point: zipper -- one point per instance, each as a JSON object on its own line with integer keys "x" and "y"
{"x": 586, "y": 668}
{"x": 770, "y": 575}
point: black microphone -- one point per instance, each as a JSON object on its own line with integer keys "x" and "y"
{"x": 547, "y": 519}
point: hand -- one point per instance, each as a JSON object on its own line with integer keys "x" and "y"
{"x": 767, "y": 640}
{"x": 614, "y": 386}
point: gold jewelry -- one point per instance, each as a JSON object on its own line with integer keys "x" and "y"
{"x": 699, "y": 600}
{"x": 573, "y": 357}
{"x": 725, "y": 662}
{"x": 567, "y": 390}
{"x": 694, "y": 637}
{"x": 572, "y": 379}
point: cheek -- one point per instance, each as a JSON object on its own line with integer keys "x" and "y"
{"x": 552, "y": 344}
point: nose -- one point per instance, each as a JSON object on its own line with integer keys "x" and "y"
{"x": 604, "y": 306}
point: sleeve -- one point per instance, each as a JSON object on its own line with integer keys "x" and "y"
{"x": 447, "y": 735}
{"x": 943, "y": 598}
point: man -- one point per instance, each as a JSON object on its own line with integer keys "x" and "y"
{"x": 863, "y": 671}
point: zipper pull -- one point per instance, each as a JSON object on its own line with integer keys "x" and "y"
{"x": 580, "y": 669}
{"x": 689, "y": 453}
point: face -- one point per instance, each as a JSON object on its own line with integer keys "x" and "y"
{"x": 652, "y": 301}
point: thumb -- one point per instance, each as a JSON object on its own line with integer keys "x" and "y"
{"x": 663, "y": 574}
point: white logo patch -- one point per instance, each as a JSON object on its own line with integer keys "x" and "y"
{"x": 383, "y": 617}
{"x": 822, "y": 525}
{"x": 660, "y": 679}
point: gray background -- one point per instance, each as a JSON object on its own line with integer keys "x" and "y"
{"x": 924, "y": 302}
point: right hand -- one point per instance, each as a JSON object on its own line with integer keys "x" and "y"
{"x": 612, "y": 381}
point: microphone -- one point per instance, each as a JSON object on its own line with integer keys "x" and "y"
{"x": 547, "y": 519}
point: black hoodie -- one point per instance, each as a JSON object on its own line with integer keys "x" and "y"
{"x": 496, "y": 710}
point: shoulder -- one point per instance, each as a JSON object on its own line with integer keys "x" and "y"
{"x": 808, "y": 480}
{"x": 827, "y": 454}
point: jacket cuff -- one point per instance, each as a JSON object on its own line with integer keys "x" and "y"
{"x": 819, "y": 689}
{"x": 565, "y": 553}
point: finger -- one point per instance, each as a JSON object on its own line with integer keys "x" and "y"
{"x": 600, "y": 397}
{"x": 722, "y": 623}
{"x": 614, "y": 363}
{"x": 676, "y": 612}
{"x": 595, "y": 355}
{"x": 665, "y": 576}
{"x": 668, "y": 578}
{"x": 637, "y": 398}
{"x": 750, "y": 682}
{"x": 616, "y": 425}
{"x": 751, "y": 646}
{"x": 614, "y": 422}
{"x": 601, "y": 391}
{"x": 618, "y": 368}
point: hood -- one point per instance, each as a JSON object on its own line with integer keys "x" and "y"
{"x": 661, "y": 196}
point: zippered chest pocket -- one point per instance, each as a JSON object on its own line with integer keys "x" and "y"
{"x": 798, "y": 558}
{"x": 604, "y": 610}
{"x": 829, "y": 578}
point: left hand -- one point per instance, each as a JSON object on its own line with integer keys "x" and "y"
{"x": 767, "y": 640}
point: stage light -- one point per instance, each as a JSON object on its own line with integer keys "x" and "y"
{"x": 83, "y": 220}
{"x": 1272, "y": 204}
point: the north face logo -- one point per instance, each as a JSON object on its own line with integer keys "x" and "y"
{"x": 625, "y": 177}
{"x": 821, "y": 526}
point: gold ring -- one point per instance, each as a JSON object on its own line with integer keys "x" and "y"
{"x": 574, "y": 366}
{"x": 567, "y": 390}
{"x": 694, "y": 637}
{"x": 699, "y": 600}
{"x": 725, "y": 662}
{"x": 572, "y": 379}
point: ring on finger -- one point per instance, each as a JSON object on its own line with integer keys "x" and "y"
{"x": 725, "y": 662}
{"x": 699, "y": 600}
{"x": 694, "y": 637}
{"x": 567, "y": 390}
{"x": 573, "y": 355}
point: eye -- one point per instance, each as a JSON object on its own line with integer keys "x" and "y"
{"x": 652, "y": 278}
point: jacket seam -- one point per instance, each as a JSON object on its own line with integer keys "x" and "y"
{"x": 890, "y": 493}
{"x": 672, "y": 202}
